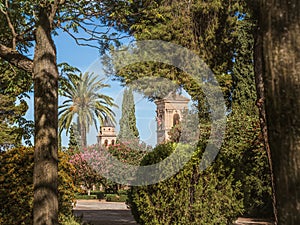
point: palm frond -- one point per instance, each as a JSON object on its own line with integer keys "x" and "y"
{"x": 84, "y": 100}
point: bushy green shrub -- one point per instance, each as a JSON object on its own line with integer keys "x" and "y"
{"x": 16, "y": 186}
{"x": 72, "y": 220}
{"x": 189, "y": 197}
{"x": 244, "y": 153}
{"x": 237, "y": 183}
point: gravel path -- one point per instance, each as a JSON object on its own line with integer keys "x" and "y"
{"x": 104, "y": 213}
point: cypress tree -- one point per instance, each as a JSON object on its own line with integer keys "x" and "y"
{"x": 74, "y": 139}
{"x": 128, "y": 129}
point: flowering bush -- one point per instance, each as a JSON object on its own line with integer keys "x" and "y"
{"x": 89, "y": 165}
{"x": 129, "y": 152}
{"x": 92, "y": 163}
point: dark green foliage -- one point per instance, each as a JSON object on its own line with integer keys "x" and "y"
{"x": 189, "y": 197}
{"x": 74, "y": 140}
{"x": 243, "y": 153}
{"x": 208, "y": 28}
{"x": 238, "y": 179}
{"x": 99, "y": 194}
{"x": 14, "y": 84}
{"x": 111, "y": 197}
{"x": 243, "y": 85}
{"x": 128, "y": 129}
{"x": 244, "y": 140}
{"x": 220, "y": 32}
{"x": 13, "y": 126}
{"x": 175, "y": 133}
{"x": 16, "y": 186}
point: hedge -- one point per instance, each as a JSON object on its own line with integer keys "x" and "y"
{"x": 115, "y": 198}
{"x": 16, "y": 186}
{"x": 108, "y": 197}
{"x": 189, "y": 197}
{"x": 86, "y": 197}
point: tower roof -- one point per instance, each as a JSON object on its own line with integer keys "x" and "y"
{"x": 176, "y": 97}
{"x": 173, "y": 97}
{"x": 108, "y": 122}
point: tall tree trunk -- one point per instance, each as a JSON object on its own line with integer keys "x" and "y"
{"x": 260, "y": 91}
{"x": 45, "y": 209}
{"x": 280, "y": 25}
{"x": 83, "y": 136}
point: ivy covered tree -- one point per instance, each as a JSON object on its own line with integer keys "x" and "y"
{"x": 128, "y": 130}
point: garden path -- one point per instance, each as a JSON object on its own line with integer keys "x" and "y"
{"x": 116, "y": 213}
{"x": 104, "y": 213}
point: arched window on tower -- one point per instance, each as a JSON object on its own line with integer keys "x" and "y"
{"x": 176, "y": 119}
{"x": 106, "y": 143}
{"x": 113, "y": 142}
{"x": 159, "y": 121}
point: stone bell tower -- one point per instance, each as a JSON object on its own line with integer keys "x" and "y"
{"x": 169, "y": 112}
{"x": 107, "y": 135}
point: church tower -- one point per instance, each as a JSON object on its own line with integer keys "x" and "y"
{"x": 169, "y": 111}
{"x": 107, "y": 135}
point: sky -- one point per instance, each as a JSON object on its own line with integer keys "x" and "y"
{"x": 87, "y": 59}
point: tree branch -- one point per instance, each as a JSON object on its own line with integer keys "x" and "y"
{"x": 15, "y": 58}
{"x": 54, "y": 8}
{"x": 10, "y": 25}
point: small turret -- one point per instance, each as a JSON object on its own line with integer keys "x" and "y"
{"x": 107, "y": 135}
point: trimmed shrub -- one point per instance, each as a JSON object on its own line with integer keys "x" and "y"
{"x": 86, "y": 197}
{"x": 99, "y": 194}
{"x": 116, "y": 198}
{"x": 16, "y": 186}
{"x": 189, "y": 197}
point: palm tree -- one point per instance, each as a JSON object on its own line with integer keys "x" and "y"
{"x": 85, "y": 102}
